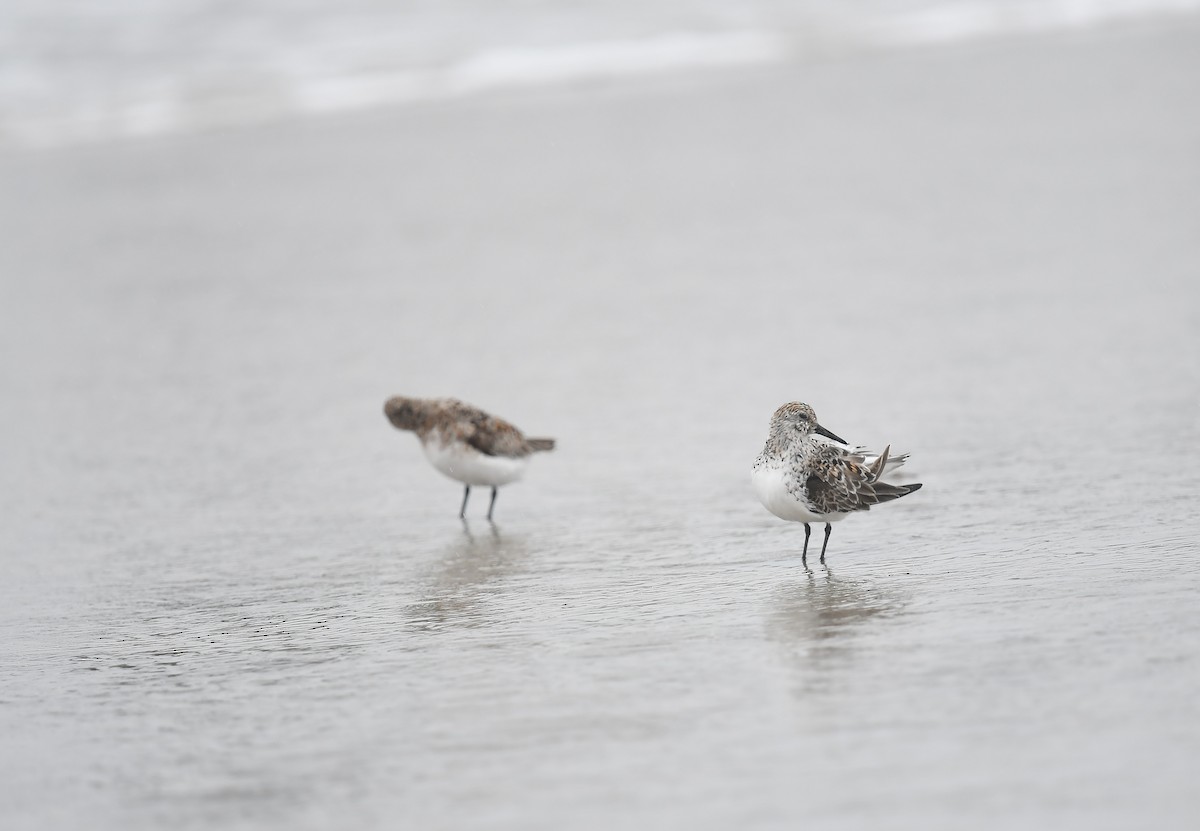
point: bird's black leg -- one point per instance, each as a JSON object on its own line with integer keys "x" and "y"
{"x": 828, "y": 528}
{"x": 804, "y": 555}
{"x": 462, "y": 512}
{"x": 492, "y": 504}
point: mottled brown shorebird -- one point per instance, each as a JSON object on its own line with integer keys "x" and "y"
{"x": 465, "y": 443}
{"x": 807, "y": 474}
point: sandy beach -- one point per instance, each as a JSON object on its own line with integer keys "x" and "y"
{"x": 233, "y": 597}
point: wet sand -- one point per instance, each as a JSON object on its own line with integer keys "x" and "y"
{"x": 234, "y": 597}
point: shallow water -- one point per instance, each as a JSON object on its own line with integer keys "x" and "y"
{"x": 234, "y": 597}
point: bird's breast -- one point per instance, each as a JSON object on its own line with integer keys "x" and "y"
{"x": 465, "y": 464}
{"x": 780, "y": 494}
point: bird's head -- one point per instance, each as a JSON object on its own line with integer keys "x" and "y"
{"x": 798, "y": 419}
{"x": 404, "y": 413}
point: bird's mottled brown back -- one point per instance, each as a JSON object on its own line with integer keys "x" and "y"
{"x": 451, "y": 420}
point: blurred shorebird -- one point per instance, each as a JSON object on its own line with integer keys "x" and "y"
{"x": 465, "y": 443}
{"x": 807, "y": 474}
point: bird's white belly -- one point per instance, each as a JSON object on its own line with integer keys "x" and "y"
{"x": 467, "y": 465}
{"x": 771, "y": 489}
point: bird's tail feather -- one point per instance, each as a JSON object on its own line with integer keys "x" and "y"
{"x": 540, "y": 444}
{"x": 880, "y": 463}
{"x": 886, "y": 491}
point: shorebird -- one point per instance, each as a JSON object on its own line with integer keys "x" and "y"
{"x": 465, "y": 443}
{"x": 807, "y": 474}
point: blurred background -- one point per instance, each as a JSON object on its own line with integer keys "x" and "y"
{"x": 72, "y": 70}
{"x": 232, "y": 596}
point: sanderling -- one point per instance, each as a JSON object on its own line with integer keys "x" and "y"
{"x": 465, "y": 443}
{"x": 807, "y": 474}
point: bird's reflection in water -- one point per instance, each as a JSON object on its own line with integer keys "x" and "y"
{"x": 467, "y": 575}
{"x": 823, "y": 620}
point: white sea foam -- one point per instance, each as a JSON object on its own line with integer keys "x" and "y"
{"x": 965, "y": 19}
{"x": 510, "y": 68}
{"x": 112, "y": 70}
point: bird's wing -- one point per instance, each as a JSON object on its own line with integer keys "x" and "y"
{"x": 894, "y": 460}
{"x": 493, "y": 436}
{"x": 843, "y": 481}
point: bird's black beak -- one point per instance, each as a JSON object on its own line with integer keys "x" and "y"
{"x": 819, "y": 430}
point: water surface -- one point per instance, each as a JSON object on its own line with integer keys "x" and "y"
{"x": 234, "y": 597}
